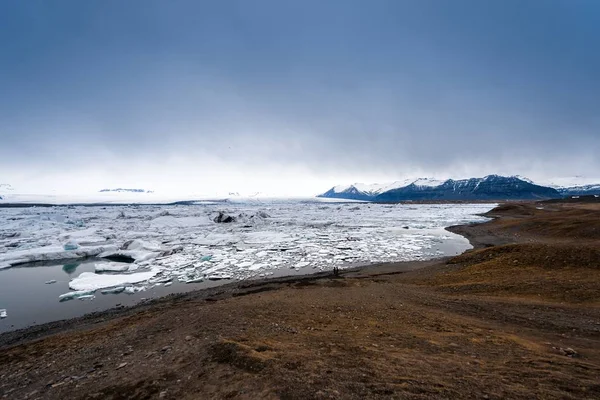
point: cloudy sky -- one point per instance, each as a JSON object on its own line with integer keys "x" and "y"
{"x": 292, "y": 97}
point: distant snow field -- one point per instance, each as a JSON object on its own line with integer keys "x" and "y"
{"x": 164, "y": 244}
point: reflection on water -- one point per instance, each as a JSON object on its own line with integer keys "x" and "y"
{"x": 70, "y": 268}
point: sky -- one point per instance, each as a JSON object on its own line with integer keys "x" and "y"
{"x": 292, "y": 97}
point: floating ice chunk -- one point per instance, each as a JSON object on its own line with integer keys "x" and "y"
{"x": 71, "y": 245}
{"x": 129, "y": 290}
{"x": 301, "y": 264}
{"x": 111, "y": 266}
{"x": 49, "y": 253}
{"x": 139, "y": 244}
{"x": 137, "y": 250}
{"x": 51, "y": 281}
{"x": 3, "y": 313}
{"x": 195, "y": 280}
{"x": 87, "y": 297}
{"x": 115, "y": 290}
{"x": 92, "y": 281}
{"x": 168, "y": 284}
{"x": 75, "y": 294}
{"x": 206, "y": 258}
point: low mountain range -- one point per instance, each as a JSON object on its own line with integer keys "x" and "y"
{"x": 491, "y": 187}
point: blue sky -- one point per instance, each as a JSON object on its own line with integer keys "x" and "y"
{"x": 292, "y": 96}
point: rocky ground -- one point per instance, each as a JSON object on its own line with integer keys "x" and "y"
{"x": 518, "y": 317}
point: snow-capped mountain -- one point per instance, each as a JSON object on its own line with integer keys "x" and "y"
{"x": 491, "y": 187}
{"x": 361, "y": 191}
{"x": 582, "y": 190}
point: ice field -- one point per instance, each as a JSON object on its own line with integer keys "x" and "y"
{"x": 129, "y": 249}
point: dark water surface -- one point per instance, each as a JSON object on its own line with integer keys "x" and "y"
{"x": 29, "y": 301}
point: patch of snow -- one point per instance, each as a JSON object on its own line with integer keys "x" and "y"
{"x": 428, "y": 182}
{"x": 341, "y": 188}
{"x": 525, "y": 179}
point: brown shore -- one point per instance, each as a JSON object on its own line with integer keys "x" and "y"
{"x": 518, "y": 317}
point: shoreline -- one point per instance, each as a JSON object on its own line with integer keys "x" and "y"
{"x": 224, "y": 291}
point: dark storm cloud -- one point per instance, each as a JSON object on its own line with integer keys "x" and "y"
{"x": 337, "y": 86}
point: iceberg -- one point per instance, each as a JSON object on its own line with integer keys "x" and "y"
{"x": 71, "y": 245}
{"x": 92, "y": 281}
{"x": 3, "y": 313}
{"x": 50, "y": 253}
{"x": 115, "y": 290}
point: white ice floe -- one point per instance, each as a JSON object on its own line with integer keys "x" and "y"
{"x": 115, "y": 290}
{"x": 51, "y": 253}
{"x": 92, "y": 281}
{"x": 75, "y": 294}
{"x": 3, "y": 313}
{"x": 137, "y": 250}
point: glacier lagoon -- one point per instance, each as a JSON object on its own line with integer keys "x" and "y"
{"x": 64, "y": 261}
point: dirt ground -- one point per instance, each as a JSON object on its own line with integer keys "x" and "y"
{"x": 518, "y": 318}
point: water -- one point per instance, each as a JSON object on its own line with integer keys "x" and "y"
{"x": 30, "y": 301}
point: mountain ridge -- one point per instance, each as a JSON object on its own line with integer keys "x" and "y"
{"x": 490, "y": 187}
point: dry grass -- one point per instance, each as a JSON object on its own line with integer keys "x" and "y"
{"x": 550, "y": 221}
{"x": 550, "y": 272}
